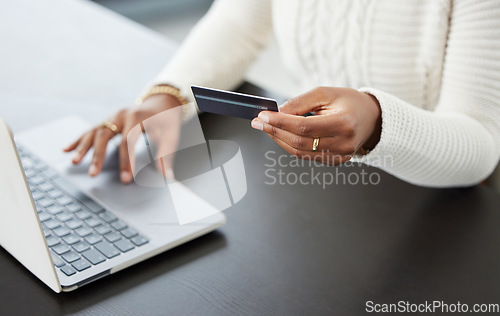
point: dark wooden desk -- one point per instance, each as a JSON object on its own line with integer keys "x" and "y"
{"x": 286, "y": 249}
{"x": 297, "y": 249}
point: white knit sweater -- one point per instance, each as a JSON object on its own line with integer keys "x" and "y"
{"x": 434, "y": 66}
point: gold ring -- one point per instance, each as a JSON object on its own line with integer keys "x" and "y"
{"x": 110, "y": 125}
{"x": 315, "y": 144}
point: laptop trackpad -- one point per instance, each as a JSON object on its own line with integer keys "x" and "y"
{"x": 147, "y": 207}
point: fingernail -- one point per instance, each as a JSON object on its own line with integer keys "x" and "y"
{"x": 76, "y": 158}
{"x": 257, "y": 125}
{"x": 263, "y": 116}
{"x": 93, "y": 170}
{"x": 125, "y": 176}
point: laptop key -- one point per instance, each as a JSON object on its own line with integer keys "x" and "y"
{"x": 70, "y": 256}
{"x": 93, "y": 256}
{"x": 61, "y": 248}
{"x": 80, "y": 246}
{"x": 102, "y": 229}
{"x": 81, "y": 264}
{"x": 54, "y": 209}
{"x": 92, "y": 222}
{"x": 73, "y": 207}
{"x": 57, "y": 261}
{"x": 93, "y": 238}
{"x": 83, "y": 231}
{"x": 40, "y": 165}
{"x": 27, "y": 162}
{"x": 124, "y": 245}
{"x": 93, "y": 206}
{"x": 37, "y": 180}
{"x": 129, "y": 232}
{"x": 51, "y": 224}
{"x": 68, "y": 270}
{"x": 71, "y": 239}
{"x": 119, "y": 224}
{"x": 61, "y": 231}
{"x": 67, "y": 186}
{"x": 107, "y": 249}
{"x": 73, "y": 224}
{"x": 83, "y": 214}
{"x": 63, "y": 200}
{"x": 108, "y": 216}
{"x": 139, "y": 240}
{"x": 32, "y": 187}
{"x": 56, "y": 193}
{"x": 37, "y": 195}
{"x": 30, "y": 173}
{"x": 46, "y": 232}
{"x": 43, "y": 216}
{"x": 52, "y": 241}
{"x": 44, "y": 202}
{"x": 64, "y": 217}
{"x": 112, "y": 237}
{"x": 46, "y": 186}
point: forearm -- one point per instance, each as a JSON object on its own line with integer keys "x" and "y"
{"x": 436, "y": 149}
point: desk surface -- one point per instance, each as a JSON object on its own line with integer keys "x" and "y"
{"x": 286, "y": 249}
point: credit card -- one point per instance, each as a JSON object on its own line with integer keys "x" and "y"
{"x": 231, "y": 103}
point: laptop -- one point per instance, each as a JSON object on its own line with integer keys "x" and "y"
{"x": 69, "y": 229}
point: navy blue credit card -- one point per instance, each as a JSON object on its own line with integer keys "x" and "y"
{"x": 231, "y": 103}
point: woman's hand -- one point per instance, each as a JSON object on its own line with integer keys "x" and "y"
{"x": 345, "y": 120}
{"x": 98, "y": 137}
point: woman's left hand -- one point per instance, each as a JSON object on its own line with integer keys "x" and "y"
{"x": 345, "y": 120}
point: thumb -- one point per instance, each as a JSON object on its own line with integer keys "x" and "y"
{"x": 309, "y": 101}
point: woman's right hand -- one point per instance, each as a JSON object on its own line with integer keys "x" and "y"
{"x": 99, "y": 136}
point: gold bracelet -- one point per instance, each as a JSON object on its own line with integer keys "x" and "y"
{"x": 162, "y": 89}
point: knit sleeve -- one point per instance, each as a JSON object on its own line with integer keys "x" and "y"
{"x": 221, "y": 47}
{"x": 459, "y": 143}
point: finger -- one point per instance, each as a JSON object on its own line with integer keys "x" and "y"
{"x": 130, "y": 135}
{"x": 72, "y": 146}
{"x": 125, "y": 168}
{"x": 299, "y": 142}
{"x": 101, "y": 139}
{"x": 311, "y": 126}
{"x": 163, "y": 130}
{"x": 165, "y": 157}
{"x": 165, "y": 165}
{"x": 307, "y": 155}
{"x": 84, "y": 146}
{"x": 322, "y": 156}
{"x": 167, "y": 149}
{"x": 309, "y": 101}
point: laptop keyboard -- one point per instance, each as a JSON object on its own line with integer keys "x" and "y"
{"x": 79, "y": 232}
